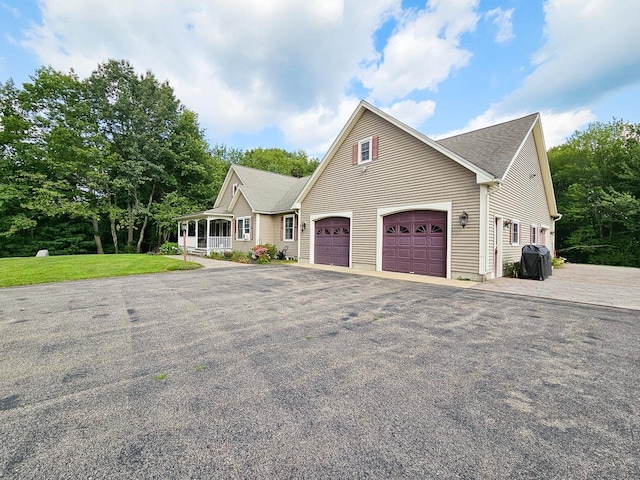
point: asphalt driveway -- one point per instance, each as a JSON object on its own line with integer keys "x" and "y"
{"x": 279, "y": 372}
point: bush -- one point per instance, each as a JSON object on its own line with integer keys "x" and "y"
{"x": 557, "y": 262}
{"x": 240, "y": 257}
{"x": 512, "y": 269}
{"x": 170, "y": 248}
{"x": 272, "y": 250}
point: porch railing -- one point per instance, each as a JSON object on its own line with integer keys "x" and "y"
{"x": 218, "y": 243}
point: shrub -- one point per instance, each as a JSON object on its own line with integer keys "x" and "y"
{"x": 272, "y": 250}
{"x": 261, "y": 253}
{"x": 170, "y": 248}
{"x": 512, "y": 269}
{"x": 557, "y": 262}
{"x": 238, "y": 256}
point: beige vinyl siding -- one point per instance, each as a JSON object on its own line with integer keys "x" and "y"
{"x": 522, "y": 197}
{"x": 242, "y": 209}
{"x": 228, "y": 194}
{"x": 406, "y": 172}
{"x": 267, "y": 225}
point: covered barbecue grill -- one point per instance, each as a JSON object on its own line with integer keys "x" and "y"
{"x": 535, "y": 262}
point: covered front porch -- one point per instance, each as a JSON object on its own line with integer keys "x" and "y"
{"x": 206, "y": 232}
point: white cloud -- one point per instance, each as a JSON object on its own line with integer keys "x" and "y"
{"x": 423, "y": 51}
{"x": 590, "y": 51}
{"x": 243, "y": 65}
{"x": 320, "y": 125}
{"x": 502, "y": 20}
{"x": 557, "y": 126}
{"x": 412, "y": 113}
{"x": 12, "y": 10}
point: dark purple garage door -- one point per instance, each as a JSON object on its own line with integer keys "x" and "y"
{"x": 415, "y": 242}
{"x": 332, "y": 241}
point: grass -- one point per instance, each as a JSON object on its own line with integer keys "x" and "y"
{"x": 32, "y": 270}
{"x": 161, "y": 376}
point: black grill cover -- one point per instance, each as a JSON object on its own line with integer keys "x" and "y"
{"x": 535, "y": 262}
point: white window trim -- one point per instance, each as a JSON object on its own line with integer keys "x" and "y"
{"x": 360, "y": 143}
{"x": 239, "y": 234}
{"x": 515, "y": 222}
{"x": 284, "y": 228}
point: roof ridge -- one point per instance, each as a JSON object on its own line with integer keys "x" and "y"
{"x": 264, "y": 171}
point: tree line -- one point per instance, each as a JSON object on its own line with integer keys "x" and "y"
{"x": 106, "y": 163}
{"x": 596, "y": 177}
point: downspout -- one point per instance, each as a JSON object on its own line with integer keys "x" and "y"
{"x": 485, "y": 206}
{"x": 484, "y": 231}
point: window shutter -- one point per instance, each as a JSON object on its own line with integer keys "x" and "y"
{"x": 354, "y": 155}
{"x": 235, "y": 228}
{"x": 295, "y": 227}
{"x": 281, "y": 228}
{"x": 531, "y": 235}
{"x": 374, "y": 147}
{"x": 511, "y": 233}
{"x": 250, "y": 228}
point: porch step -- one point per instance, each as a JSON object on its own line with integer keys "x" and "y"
{"x": 200, "y": 252}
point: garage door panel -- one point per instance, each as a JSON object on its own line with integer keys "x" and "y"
{"x": 415, "y": 241}
{"x": 420, "y": 254}
{"x": 332, "y": 241}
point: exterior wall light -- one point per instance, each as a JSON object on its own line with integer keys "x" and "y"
{"x": 304, "y": 227}
{"x": 464, "y": 219}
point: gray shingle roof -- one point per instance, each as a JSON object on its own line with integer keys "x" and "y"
{"x": 491, "y": 148}
{"x": 267, "y": 191}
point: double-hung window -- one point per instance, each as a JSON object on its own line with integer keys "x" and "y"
{"x": 364, "y": 150}
{"x": 289, "y": 228}
{"x": 243, "y": 228}
{"x": 534, "y": 234}
{"x": 515, "y": 232}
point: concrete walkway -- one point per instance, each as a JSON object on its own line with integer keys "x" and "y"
{"x": 590, "y": 284}
{"x": 392, "y": 275}
{"x": 210, "y": 263}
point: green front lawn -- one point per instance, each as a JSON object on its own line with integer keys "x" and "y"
{"x": 27, "y": 271}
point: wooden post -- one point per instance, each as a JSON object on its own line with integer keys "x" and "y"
{"x": 185, "y": 229}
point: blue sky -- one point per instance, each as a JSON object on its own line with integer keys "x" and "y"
{"x": 288, "y": 73}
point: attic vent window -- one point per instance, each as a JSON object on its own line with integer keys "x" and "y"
{"x": 234, "y": 189}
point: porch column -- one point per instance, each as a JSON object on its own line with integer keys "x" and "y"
{"x": 208, "y": 232}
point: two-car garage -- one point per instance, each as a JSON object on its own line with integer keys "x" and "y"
{"x": 412, "y": 242}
